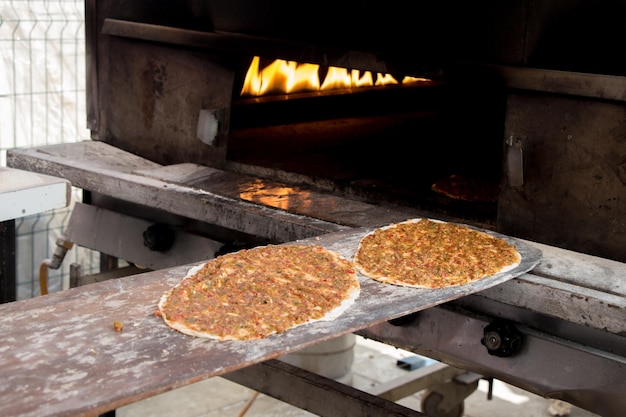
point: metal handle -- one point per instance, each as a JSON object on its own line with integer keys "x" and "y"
{"x": 515, "y": 161}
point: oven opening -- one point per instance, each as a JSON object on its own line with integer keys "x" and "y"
{"x": 432, "y": 144}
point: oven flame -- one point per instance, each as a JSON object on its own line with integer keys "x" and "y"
{"x": 284, "y": 77}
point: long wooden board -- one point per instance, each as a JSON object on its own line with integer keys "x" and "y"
{"x": 60, "y": 354}
{"x": 206, "y": 194}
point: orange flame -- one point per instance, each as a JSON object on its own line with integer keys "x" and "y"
{"x": 283, "y": 77}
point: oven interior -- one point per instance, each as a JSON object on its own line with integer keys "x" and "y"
{"x": 503, "y": 122}
{"x": 383, "y": 144}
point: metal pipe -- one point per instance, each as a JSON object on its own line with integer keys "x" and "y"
{"x": 53, "y": 263}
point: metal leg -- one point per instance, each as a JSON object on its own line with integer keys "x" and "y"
{"x": 7, "y": 261}
{"x": 108, "y": 262}
{"x": 447, "y": 399}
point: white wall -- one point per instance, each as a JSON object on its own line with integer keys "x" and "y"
{"x": 42, "y": 101}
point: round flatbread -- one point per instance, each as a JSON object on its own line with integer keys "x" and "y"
{"x": 254, "y": 293}
{"x": 427, "y": 253}
{"x": 467, "y": 188}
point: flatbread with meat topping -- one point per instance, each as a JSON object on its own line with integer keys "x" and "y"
{"x": 257, "y": 292}
{"x": 427, "y": 253}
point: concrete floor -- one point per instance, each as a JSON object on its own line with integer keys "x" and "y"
{"x": 374, "y": 363}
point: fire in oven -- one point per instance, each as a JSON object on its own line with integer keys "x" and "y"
{"x": 426, "y": 143}
{"x": 482, "y": 131}
{"x": 409, "y": 137}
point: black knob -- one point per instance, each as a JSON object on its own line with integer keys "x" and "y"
{"x": 501, "y": 338}
{"x": 159, "y": 237}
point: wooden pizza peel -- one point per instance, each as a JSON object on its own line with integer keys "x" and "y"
{"x": 61, "y": 354}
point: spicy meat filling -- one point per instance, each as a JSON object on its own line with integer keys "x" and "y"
{"x": 254, "y": 293}
{"x": 432, "y": 254}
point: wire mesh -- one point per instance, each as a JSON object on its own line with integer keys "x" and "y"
{"x": 42, "y": 102}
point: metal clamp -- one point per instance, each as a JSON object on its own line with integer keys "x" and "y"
{"x": 515, "y": 161}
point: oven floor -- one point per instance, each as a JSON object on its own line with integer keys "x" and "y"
{"x": 374, "y": 363}
{"x": 394, "y": 160}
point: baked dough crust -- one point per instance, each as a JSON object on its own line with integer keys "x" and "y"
{"x": 427, "y": 253}
{"x": 255, "y": 293}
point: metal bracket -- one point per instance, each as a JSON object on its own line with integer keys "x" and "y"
{"x": 314, "y": 393}
{"x": 515, "y": 161}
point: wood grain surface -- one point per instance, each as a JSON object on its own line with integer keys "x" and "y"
{"x": 60, "y": 354}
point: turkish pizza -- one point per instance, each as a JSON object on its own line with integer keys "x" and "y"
{"x": 254, "y": 293}
{"x": 467, "y": 189}
{"x": 427, "y": 253}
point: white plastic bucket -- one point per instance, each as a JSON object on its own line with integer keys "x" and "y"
{"x": 332, "y": 359}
